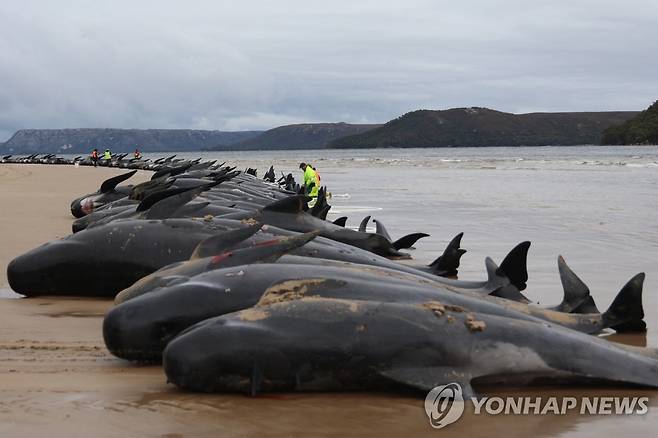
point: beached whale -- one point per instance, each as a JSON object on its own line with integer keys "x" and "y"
{"x": 318, "y": 344}
{"x": 214, "y": 253}
{"x": 103, "y": 260}
{"x": 289, "y": 213}
{"x": 107, "y": 192}
{"x": 277, "y": 208}
{"x": 321, "y": 252}
{"x": 140, "y": 327}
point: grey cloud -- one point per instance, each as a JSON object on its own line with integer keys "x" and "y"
{"x": 257, "y": 64}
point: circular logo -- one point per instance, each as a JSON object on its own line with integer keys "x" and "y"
{"x": 444, "y": 405}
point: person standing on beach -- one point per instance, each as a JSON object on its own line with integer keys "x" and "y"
{"x": 94, "y": 157}
{"x": 310, "y": 180}
{"x": 107, "y": 156}
{"x": 137, "y": 154}
{"x": 318, "y": 179}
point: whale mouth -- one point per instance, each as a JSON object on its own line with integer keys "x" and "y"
{"x": 87, "y": 205}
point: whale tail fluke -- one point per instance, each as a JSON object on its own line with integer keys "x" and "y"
{"x": 626, "y": 313}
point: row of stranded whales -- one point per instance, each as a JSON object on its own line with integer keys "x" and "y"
{"x": 235, "y": 283}
{"x": 121, "y": 161}
{"x": 141, "y": 325}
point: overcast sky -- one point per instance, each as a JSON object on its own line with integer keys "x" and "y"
{"x": 235, "y": 65}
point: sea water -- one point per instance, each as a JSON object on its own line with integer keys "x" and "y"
{"x": 596, "y": 206}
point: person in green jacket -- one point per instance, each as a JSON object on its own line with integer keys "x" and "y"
{"x": 310, "y": 180}
{"x": 107, "y": 156}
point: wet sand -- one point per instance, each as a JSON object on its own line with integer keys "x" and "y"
{"x": 58, "y": 380}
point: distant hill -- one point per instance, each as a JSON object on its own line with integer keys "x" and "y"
{"x": 81, "y": 141}
{"x": 641, "y": 129}
{"x": 423, "y": 128}
{"x": 302, "y": 136}
{"x": 485, "y": 127}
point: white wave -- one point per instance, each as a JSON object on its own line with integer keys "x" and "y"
{"x": 353, "y": 209}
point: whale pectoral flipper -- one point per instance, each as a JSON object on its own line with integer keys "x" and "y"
{"x": 427, "y": 378}
{"x": 111, "y": 183}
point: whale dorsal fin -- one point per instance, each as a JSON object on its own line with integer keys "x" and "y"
{"x": 341, "y": 221}
{"x": 447, "y": 264}
{"x": 111, "y": 183}
{"x": 515, "y": 265}
{"x": 381, "y": 229}
{"x": 364, "y": 224}
{"x": 575, "y": 290}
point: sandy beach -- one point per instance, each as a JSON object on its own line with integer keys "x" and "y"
{"x": 35, "y": 201}
{"x": 58, "y": 380}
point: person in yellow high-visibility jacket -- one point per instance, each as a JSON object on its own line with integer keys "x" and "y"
{"x": 310, "y": 180}
{"x": 318, "y": 179}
